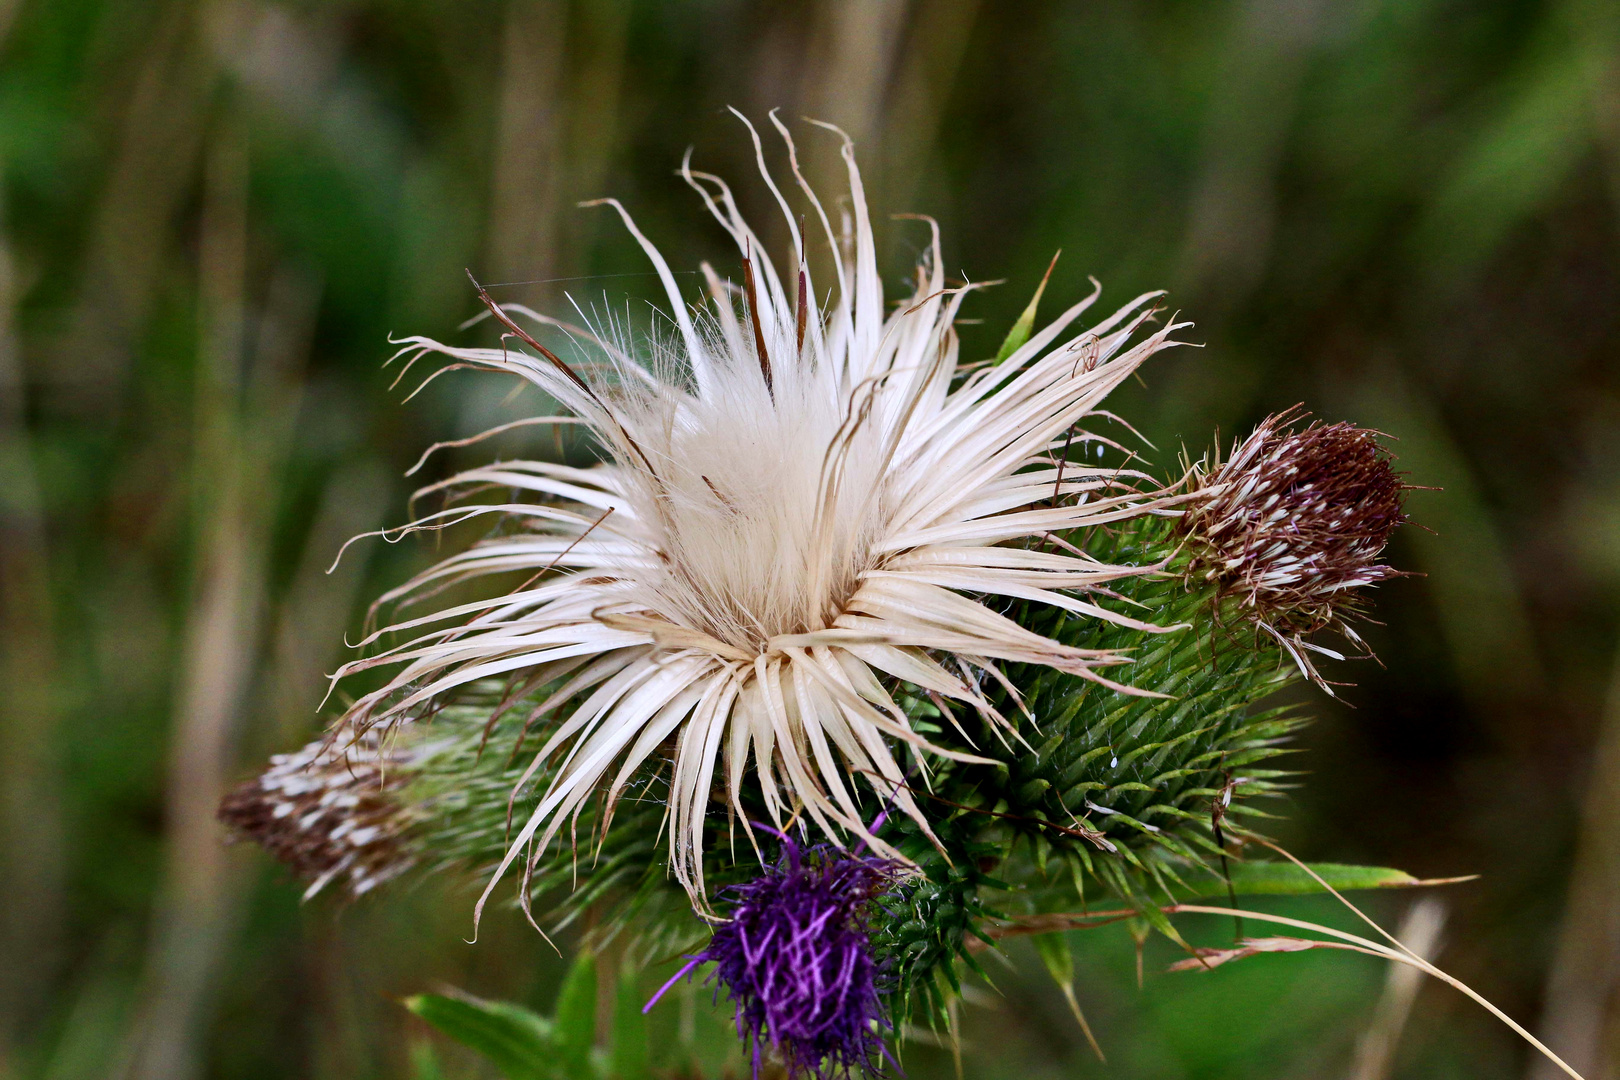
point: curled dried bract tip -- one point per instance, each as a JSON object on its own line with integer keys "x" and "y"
{"x": 1291, "y": 526}
{"x": 330, "y": 812}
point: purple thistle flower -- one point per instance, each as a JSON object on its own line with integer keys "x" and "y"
{"x": 795, "y": 958}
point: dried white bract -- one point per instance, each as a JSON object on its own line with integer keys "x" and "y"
{"x": 801, "y": 508}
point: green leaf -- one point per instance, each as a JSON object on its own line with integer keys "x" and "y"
{"x": 1286, "y": 879}
{"x": 628, "y": 1052}
{"x": 516, "y": 1041}
{"x": 1026, "y": 322}
{"x": 424, "y": 1062}
{"x": 575, "y": 1021}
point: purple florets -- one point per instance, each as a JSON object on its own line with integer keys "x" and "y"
{"x": 795, "y": 957}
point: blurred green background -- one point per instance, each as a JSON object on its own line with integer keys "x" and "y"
{"x": 215, "y": 212}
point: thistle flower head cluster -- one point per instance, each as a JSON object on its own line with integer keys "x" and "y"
{"x": 795, "y": 958}
{"x": 819, "y": 553}
{"x": 1292, "y": 524}
{"x": 330, "y": 812}
{"x": 801, "y": 508}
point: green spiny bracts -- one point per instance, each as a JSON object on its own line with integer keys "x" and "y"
{"x": 1118, "y": 796}
{"x": 928, "y": 928}
{"x": 1122, "y": 780}
{"x": 620, "y": 875}
{"x": 1141, "y": 795}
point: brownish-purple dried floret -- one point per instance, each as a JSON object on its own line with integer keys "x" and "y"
{"x": 1291, "y": 526}
{"x": 329, "y": 812}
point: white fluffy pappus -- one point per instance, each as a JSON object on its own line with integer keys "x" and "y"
{"x": 801, "y": 509}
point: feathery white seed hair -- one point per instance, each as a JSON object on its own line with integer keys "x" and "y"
{"x": 796, "y": 517}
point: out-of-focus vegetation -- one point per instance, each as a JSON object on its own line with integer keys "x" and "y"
{"x": 1401, "y": 212}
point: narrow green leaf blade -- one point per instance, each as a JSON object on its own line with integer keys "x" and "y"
{"x": 424, "y": 1062}
{"x": 627, "y": 1056}
{"x": 1286, "y": 879}
{"x": 575, "y": 1020}
{"x": 516, "y": 1041}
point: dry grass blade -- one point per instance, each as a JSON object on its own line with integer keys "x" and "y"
{"x": 1207, "y": 959}
{"x": 1399, "y": 955}
{"x": 1420, "y": 930}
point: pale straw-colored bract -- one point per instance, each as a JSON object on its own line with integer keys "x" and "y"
{"x": 802, "y": 509}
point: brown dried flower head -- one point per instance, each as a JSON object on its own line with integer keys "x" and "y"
{"x": 330, "y": 812}
{"x": 1291, "y": 526}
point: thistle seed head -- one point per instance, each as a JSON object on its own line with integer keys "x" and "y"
{"x": 799, "y": 503}
{"x": 1291, "y": 525}
{"x": 330, "y": 811}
